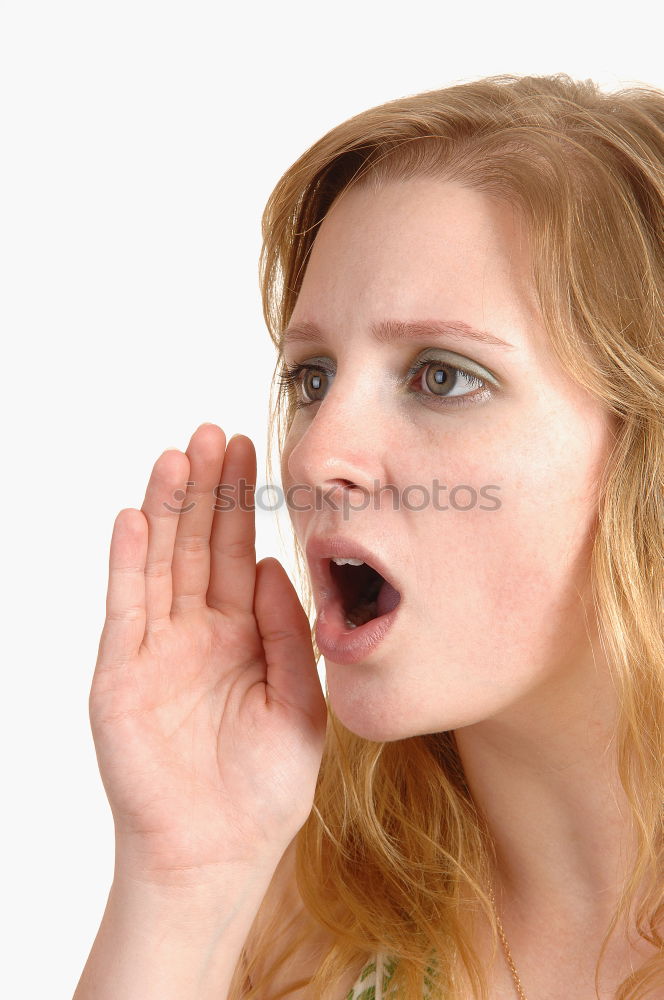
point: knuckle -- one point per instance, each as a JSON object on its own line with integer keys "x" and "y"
{"x": 192, "y": 543}
{"x": 240, "y": 548}
{"x": 131, "y": 613}
{"x": 163, "y": 513}
{"x": 160, "y": 623}
{"x": 276, "y": 633}
{"x": 156, "y": 569}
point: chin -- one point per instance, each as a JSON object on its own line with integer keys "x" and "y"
{"x": 367, "y": 722}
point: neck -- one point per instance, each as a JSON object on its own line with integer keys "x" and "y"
{"x": 544, "y": 773}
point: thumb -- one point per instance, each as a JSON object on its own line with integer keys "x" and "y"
{"x": 292, "y": 676}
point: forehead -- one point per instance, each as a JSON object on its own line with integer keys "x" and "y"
{"x": 420, "y": 248}
{"x": 424, "y": 217}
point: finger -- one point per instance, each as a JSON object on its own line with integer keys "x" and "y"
{"x": 233, "y": 536}
{"x": 161, "y": 506}
{"x": 125, "y": 596}
{"x": 191, "y": 555}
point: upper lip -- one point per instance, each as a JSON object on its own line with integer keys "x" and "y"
{"x": 320, "y": 549}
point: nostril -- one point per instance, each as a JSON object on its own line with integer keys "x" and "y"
{"x": 347, "y": 484}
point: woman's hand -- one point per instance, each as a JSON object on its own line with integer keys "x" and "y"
{"x": 206, "y": 709}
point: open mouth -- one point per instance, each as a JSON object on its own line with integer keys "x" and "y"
{"x": 363, "y": 592}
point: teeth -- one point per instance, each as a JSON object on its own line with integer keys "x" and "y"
{"x": 348, "y": 562}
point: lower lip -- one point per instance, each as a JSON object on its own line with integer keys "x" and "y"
{"x": 341, "y": 644}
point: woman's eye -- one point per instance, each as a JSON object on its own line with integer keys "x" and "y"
{"x": 306, "y": 381}
{"x": 313, "y": 382}
{"x": 433, "y": 378}
{"x": 445, "y": 380}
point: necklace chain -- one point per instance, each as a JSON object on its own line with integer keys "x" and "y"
{"x": 506, "y": 949}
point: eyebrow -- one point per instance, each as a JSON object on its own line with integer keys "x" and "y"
{"x": 393, "y": 330}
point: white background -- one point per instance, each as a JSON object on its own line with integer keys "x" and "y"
{"x": 139, "y": 143}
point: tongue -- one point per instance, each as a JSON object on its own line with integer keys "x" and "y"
{"x": 388, "y": 598}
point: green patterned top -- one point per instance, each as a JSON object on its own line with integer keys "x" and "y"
{"x": 366, "y": 986}
{"x": 372, "y": 982}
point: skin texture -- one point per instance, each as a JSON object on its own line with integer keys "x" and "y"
{"x": 495, "y": 636}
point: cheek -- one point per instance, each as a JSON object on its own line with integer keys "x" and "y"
{"x": 514, "y": 562}
{"x": 287, "y": 477}
{"x": 283, "y": 464}
{"x": 289, "y": 485}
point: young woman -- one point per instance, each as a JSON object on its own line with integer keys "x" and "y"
{"x": 464, "y": 290}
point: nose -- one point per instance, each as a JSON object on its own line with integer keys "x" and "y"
{"x": 339, "y": 453}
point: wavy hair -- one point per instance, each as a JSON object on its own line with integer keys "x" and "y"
{"x": 394, "y": 852}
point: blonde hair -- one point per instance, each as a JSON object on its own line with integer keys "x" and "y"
{"x": 394, "y": 852}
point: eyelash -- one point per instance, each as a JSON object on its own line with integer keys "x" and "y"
{"x": 291, "y": 377}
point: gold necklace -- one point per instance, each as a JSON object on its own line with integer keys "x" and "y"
{"x": 506, "y": 949}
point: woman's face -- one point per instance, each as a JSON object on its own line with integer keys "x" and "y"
{"x": 491, "y": 563}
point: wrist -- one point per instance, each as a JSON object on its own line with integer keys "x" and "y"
{"x": 181, "y": 902}
{"x": 134, "y": 872}
{"x": 160, "y": 942}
